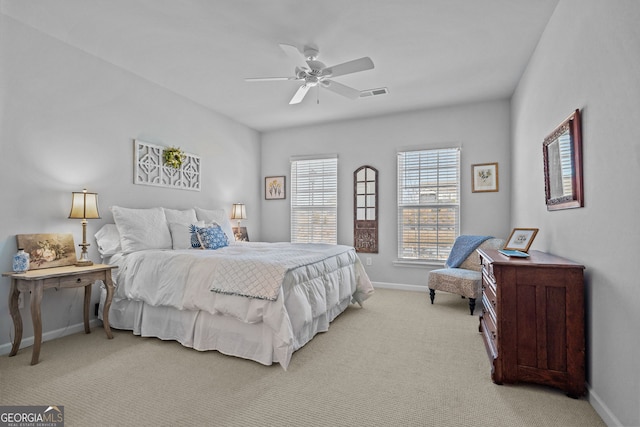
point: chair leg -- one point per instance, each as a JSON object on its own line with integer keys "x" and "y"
{"x": 432, "y": 295}
{"x": 472, "y": 305}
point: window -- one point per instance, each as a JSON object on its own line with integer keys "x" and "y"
{"x": 314, "y": 200}
{"x": 428, "y": 203}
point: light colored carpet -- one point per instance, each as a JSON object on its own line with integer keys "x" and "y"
{"x": 398, "y": 362}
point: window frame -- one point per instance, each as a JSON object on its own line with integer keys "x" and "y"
{"x": 321, "y": 204}
{"x": 418, "y": 181}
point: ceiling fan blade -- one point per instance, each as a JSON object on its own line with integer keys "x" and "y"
{"x": 295, "y": 54}
{"x": 268, "y": 79}
{"x": 341, "y": 89}
{"x": 349, "y": 67}
{"x": 299, "y": 95}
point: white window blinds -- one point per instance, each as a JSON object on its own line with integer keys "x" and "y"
{"x": 428, "y": 203}
{"x": 314, "y": 200}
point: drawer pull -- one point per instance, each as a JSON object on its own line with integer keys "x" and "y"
{"x": 78, "y": 280}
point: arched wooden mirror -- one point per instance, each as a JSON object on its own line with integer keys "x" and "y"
{"x": 365, "y": 209}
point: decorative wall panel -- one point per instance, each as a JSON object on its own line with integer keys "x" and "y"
{"x": 365, "y": 209}
{"x": 151, "y": 170}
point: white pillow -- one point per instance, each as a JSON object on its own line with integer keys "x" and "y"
{"x": 185, "y": 216}
{"x": 181, "y": 233}
{"x": 142, "y": 229}
{"x": 108, "y": 240}
{"x": 220, "y": 217}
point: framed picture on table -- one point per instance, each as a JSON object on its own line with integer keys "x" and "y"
{"x": 240, "y": 234}
{"x": 48, "y": 249}
{"x": 521, "y": 239}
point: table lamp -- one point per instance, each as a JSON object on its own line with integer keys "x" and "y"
{"x": 238, "y": 212}
{"x": 84, "y": 206}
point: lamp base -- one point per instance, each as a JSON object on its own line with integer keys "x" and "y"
{"x": 84, "y": 260}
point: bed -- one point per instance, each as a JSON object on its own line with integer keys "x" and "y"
{"x": 254, "y": 300}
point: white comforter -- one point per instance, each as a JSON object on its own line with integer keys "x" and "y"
{"x": 309, "y": 286}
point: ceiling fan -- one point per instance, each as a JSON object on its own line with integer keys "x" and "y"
{"x": 312, "y": 73}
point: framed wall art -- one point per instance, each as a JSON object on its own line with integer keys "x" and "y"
{"x": 165, "y": 167}
{"x": 484, "y": 177}
{"x": 365, "y": 209}
{"x": 274, "y": 188}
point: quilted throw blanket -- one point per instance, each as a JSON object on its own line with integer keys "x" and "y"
{"x": 260, "y": 274}
{"x": 462, "y": 248}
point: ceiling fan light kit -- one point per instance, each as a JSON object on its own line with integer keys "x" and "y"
{"x": 312, "y": 72}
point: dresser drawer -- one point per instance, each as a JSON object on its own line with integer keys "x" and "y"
{"x": 74, "y": 281}
{"x": 489, "y": 314}
{"x": 487, "y": 272}
{"x": 489, "y": 291}
{"x": 490, "y": 343}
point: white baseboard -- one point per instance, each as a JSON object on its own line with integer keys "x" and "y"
{"x": 51, "y": 335}
{"x": 400, "y": 286}
{"x": 601, "y": 408}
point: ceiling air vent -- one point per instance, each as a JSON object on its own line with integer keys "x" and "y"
{"x": 374, "y": 92}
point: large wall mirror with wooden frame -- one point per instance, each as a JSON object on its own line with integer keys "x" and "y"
{"x": 365, "y": 209}
{"x": 562, "y": 151}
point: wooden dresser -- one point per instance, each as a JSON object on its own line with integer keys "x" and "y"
{"x": 532, "y": 320}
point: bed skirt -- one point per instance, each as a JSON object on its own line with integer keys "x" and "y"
{"x": 205, "y": 331}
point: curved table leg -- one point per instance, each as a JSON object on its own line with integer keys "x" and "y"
{"x": 87, "y": 303}
{"x": 107, "y": 305}
{"x": 14, "y": 294}
{"x": 36, "y": 299}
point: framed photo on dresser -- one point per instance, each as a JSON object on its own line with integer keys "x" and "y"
{"x": 520, "y": 239}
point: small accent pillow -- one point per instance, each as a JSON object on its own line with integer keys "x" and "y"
{"x": 193, "y": 229}
{"x": 219, "y": 216}
{"x": 181, "y": 233}
{"x": 212, "y": 237}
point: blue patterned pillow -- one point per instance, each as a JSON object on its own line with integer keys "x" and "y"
{"x": 212, "y": 237}
{"x": 193, "y": 229}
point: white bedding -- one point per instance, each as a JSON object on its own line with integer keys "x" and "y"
{"x": 168, "y": 294}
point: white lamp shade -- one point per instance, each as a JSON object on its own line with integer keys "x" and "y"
{"x": 84, "y": 205}
{"x": 238, "y": 211}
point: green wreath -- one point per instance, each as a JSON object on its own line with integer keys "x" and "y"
{"x": 173, "y": 157}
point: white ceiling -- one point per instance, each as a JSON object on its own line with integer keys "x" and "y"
{"x": 426, "y": 52}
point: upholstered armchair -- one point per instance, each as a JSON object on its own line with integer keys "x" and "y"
{"x": 465, "y": 278}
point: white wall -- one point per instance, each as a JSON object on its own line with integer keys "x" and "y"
{"x": 482, "y": 130}
{"x": 68, "y": 121}
{"x": 589, "y": 58}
